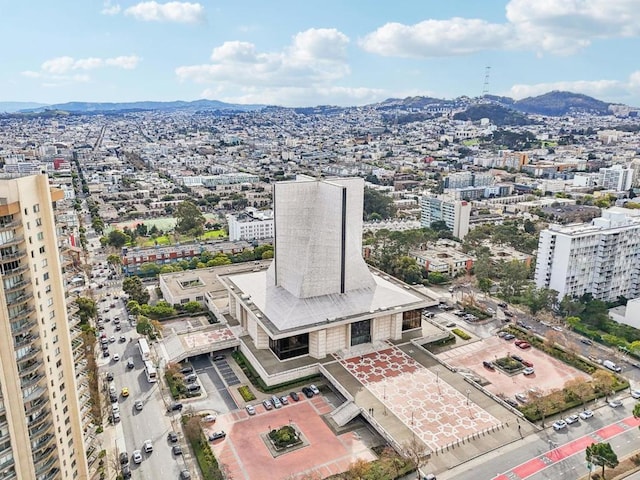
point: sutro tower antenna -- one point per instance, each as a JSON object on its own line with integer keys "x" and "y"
{"x": 485, "y": 86}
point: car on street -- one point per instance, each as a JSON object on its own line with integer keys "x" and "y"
{"x": 556, "y": 328}
{"x": 139, "y": 405}
{"x": 502, "y": 304}
{"x": 490, "y": 310}
{"x": 615, "y": 403}
{"x": 172, "y": 437}
{"x": 122, "y": 339}
{"x": 314, "y": 389}
{"x": 115, "y": 408}
{"x": 571, "y": 419}
{"x": 528, "y": 371}
{"x": 112, "y": 339}
{"x": 124, "y": 458}
{"x": 116, "y": 357}
{"x": 126, "y": 472}
{"x": 118, "y": 328}
{"x": 125, "y": 392}
{"x": 113, "y": 397}
{"x": 559, "y": 425}
{"x": 176, "y": 450}
{"x": 507, "y": 313}
{"x": 307, "y": 392}
{"x": 513, "y": 403}
{"x": 137, "y": 456}
{"x": 147, "y": 446}
{"x": 635, "y": 394}
{"x": 130, "y": 364}
{"x": 294, "y": 396}
{"x": 586, "y": 414}
{"x": 586, "y": 341}
{"x": 185, "y": 475}
{"x": 251, "y": 410}
{"x": 109, "y": 376}
{"x": 105, "y": 353}
{"x": 267, "y": 404}
{"x": 176, "y": 406}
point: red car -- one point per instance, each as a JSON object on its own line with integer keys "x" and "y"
{"x": 527, "y": 363}
{"x": 523, "y": 345}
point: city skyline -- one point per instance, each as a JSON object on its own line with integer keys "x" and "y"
{"x": 329, "y": 53}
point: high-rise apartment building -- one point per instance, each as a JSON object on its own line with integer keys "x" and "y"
{"x": 601, "y": 258}
{"x": 40, "y": 426}
{"x": 455, "y": 213}
{"x": 616, "y": 178}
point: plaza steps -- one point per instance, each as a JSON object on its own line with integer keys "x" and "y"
{"x": 345, "y": 413}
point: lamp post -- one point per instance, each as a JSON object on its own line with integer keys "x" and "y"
{"x": 468, "y": 392}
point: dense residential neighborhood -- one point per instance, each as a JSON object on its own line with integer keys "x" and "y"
{"x": 373, "y": 279}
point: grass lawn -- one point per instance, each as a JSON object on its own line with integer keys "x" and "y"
{"x": 169, "y": 239}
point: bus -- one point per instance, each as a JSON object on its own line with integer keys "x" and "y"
{"x": 150, "y": 370}
{"x": 143, "y": 346}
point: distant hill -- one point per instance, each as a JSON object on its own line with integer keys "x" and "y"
{"x": 10, "y": 107}
{"x": 498, "y": 115}
{"x": 95, "y": 107}
{"x": 558, "y": 103}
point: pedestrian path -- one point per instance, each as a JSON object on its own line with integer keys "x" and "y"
{"x": 559, "y": 453}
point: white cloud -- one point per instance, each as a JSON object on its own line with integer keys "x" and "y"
{"x": 436, "y": 38}
{"x": 110, "y": 9}
{"x": 559, "y": 27}
{"x": 613, "y": 89}
{"x": 63, "y": 70}
{"x": 302, "y": 73}
{"x": 315, "y": 57}
{"x": 178, "y": 12}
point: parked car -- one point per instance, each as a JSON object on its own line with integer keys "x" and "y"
{"x": 192, "y": 377}
{"x": 109, "y": 376}
{"x": 615, "y": 403}
{"x": 517, "y": 357}
{"x": 502, "y": 304}
{"x": 251, "y": 410}
{"x": 586, "y": 414}
{"x": 276, "y": 402}
{"x": 126, "y": 472}
{"x": 124, "y": 458}
{"x": 138, "y": 405}
{"x": 307, "y": 392}
{"x": 513, "y": 403}
{"x": 267, "y": 404}
{"x": 284, "y": 400}
{"x": 193, "y": 389}
{"x": 488, "y": 365}
{"x": 521, "y": 397}
{"x": 137, "y": 456}
{"x": 559, "y": 425}
{"x": 147, "y": 446}
{"x": 185, "y": 475}
{"x": 524, "y": 345}
{"x": 507, "y": 314}
{"x": 572, "y": 419}
{"x": 130, "y": 364}
{"x": 217, "y": 435}
{"x": 586, "y": 341}
{"x": 176, "y": 450}
{"x": 314, "y": 389}
{"x": 122, "y": 339}
{"x": 209, "y": 418}
{"x": 124, "y": 392}
{"x": 116, "y": 357}
{"x": 172, "y": 437}
{"x": 294, "y": 396}
{"x": 527, "y": 363}
{"x": 528, "y": 371}
{"x": 186, "y": 369}
{"x": 176, "y": 406}
{"x": 508, "y": 336}
{"x": 635, "y": 393}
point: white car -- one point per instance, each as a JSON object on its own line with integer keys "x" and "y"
{"x": 137, "y": 456}
{"x": 635, "y": 393}
{"x": 148, "y": 446}
{"x": 139, "y": 405}
{"x": 586, "y": 414}
{"x": 528, "y": 371}
{"x": 115, "y": 408}
{"x": 559, "y": 425}
{"x": 572, "y": 419}
{"x": 521, "y": 397}
{"x": 615, "y": 403}
{"x": 314, "y": 389}
{"x": 209, "y": 418}
{"x": 115, "y": 357}
{"x": 251, "y": 410}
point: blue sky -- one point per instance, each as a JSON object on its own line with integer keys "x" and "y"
{"x": 312, "y": 52}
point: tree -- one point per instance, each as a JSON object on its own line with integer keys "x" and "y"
{"x": 133, "y": 287}
{"x": 117, "y": 239}
{"x": 603, "y": 382}
{"x": 114, "y": 260}
{"x": 580, "y": 389}
{"x": 636, "y": 411}
{"x": 190, "y": 220}
{"x": 513, "y": 278}
{"x": 602, "y": 454}
{"x": 539, "y": 299}
{"x": 377, "y": 202}
{"x": 485, "y": 284}
{"x": 86, "y": 309}
{"x": 417, "y": 453}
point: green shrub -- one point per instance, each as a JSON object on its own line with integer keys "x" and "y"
{"x": 462, "y": 334}
{"x": 246, "y": 393}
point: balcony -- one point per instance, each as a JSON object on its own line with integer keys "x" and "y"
{"x": 15, "y": 240}
{"x": 42, "y": 465}
{"x": 27, "y": 382}
{"x": 36, "y": 405}
{"x": 44, "y": 426}
{"x": 16, "y": 286}
{"x": 23, "y": 327}
{"x": 46, "y": 440}
{"x": 15, "y": 271}
{"x": 52, "y": 474}
{"x": 32, "y": 352}
{"x": 29, "y": 368}
{"x": 22, "y": 314}
{"x": 25, "y": 340}
{"x": 39, "y": 419}
{"x": 17, "y": 300}
{"x": 15, "y": 255}
{"x": 4, "y": 226}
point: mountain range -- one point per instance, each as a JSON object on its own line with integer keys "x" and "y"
{"x": 508, "y": 110}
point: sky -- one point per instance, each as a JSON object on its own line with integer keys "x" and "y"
{"x": 312, "y": 52}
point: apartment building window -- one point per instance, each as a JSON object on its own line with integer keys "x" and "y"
{"x": 47, "y": 289}
{"x": 38, "y": 222}
{"x": 40, "y": 236}
{"x": 45, "y": 277}
{"x": 26, "y": 211}
{"x": 36, "y": 208}
{"x": 52, "y": 314}
{"x": 41, "y": 249}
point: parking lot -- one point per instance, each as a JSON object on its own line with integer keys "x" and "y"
{"x": 549, "y": 373}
